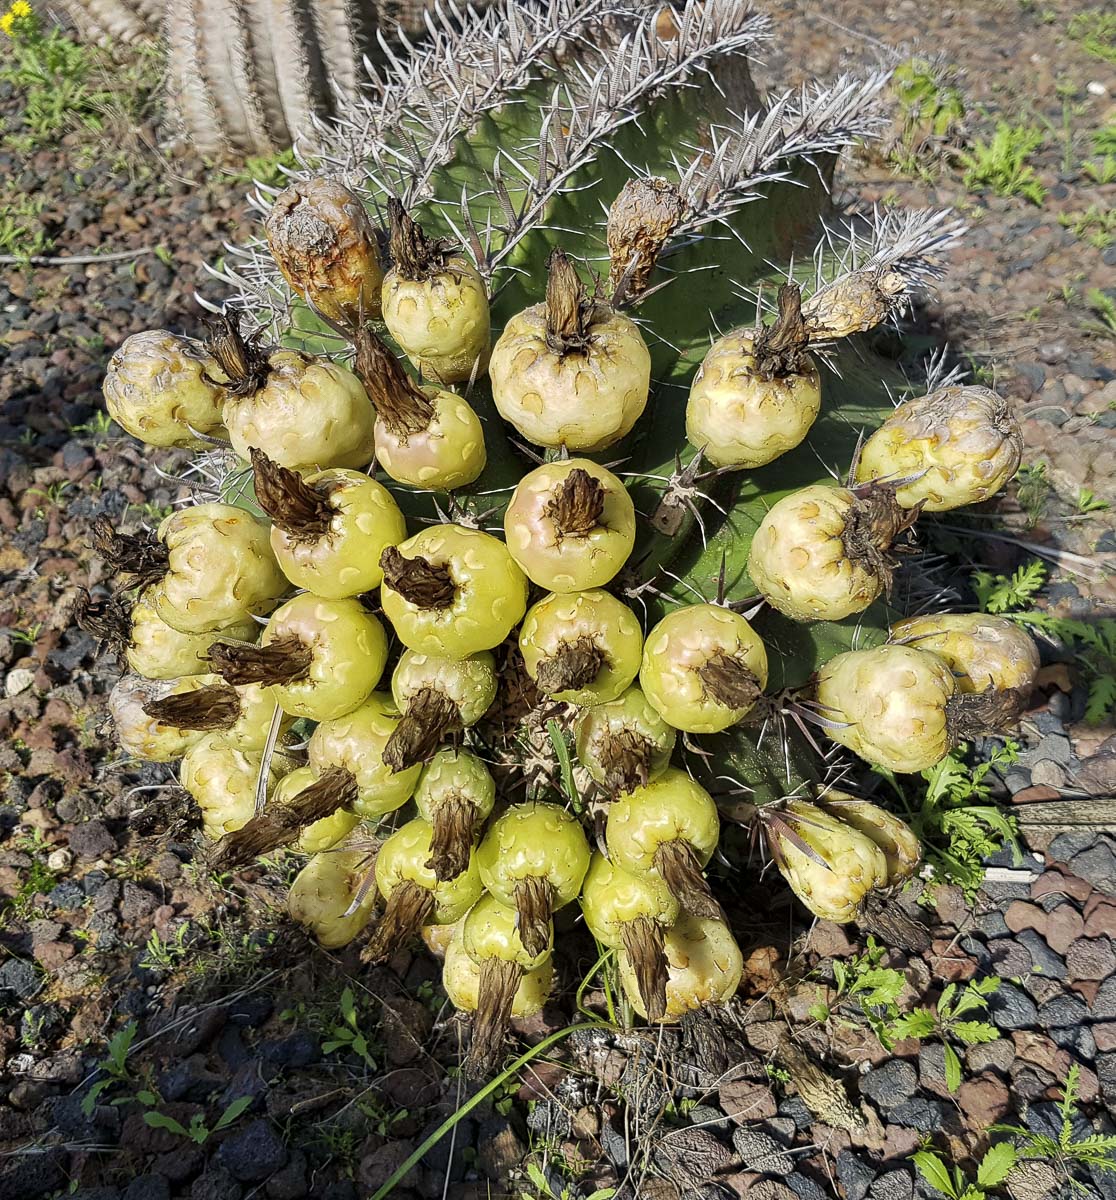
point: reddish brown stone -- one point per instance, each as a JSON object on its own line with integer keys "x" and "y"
{"x": 1063, "y": 927}
{"x": 51, "y": 955}
{"x": 984, "y": 1100}
{"x": 1038, "y": 792}
{"x": 1105, "y": 1035}
{"x": 830, "y": 940}
{"x": 1020, "y": 915}
{"x": 1057, "y": 883}
{"x": 744, "y": 1101}
{"x": 1100, "y": 915}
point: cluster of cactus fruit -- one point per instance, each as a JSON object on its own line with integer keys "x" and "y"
{"x": 418, "y": 673}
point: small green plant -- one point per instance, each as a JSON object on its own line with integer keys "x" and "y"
{"x": 267, "y": 169}
{"x": 1101, "y": 170}
{"x": 348, "y": 1035}
{"x": 1002, "y": 593}
{"x": 1066, "y": 1152}
{"x": 543, "y": 1191}
{"x": 98, "y": 427}
{"x": 22, "y": 235}
{"x": 1001, "y": 164}
{"x": 944, "y": 1022}
{"x": 198, "y": 1131}
{"x": 1093, "y": 644}
{"x": 51, "y": 496}
{"x": 28, "y": 636}
{"x": 1095, "y": 225}
{"x": 113, "y": 1067}
{"x": 951, "y": 1181}
{"x": 1087, "y": 502}
{"x": 1032, "y": 488}
{"x": 1105, "y": 308}
{"x": 1096, "y": 31}
{"x": 931, "y": 108}
{"x": 876, "y": 989}
{"x": 164, "y": 954}
{"x": 956, "y": 820}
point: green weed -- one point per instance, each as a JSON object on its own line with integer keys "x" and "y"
{"x": 348, "y": 1035}
{"x": 1095, "y": 225}
{"x": 944, "y": 1022}
{"x": 1001, "y": 164}
{"x": 874, "y": 988}
{"x": 1105, "y": 308}
{"x": 951, "y": 1181}
{"x": 1096, "y": 31}
{"x": 1066, "y": 1151}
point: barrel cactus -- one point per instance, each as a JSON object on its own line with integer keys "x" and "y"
{"x": 619, "y": 200}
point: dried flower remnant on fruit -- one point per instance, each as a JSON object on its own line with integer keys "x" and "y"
{"x": 206, "y": 708}
{"x": 854, "y": 303}
{"x": 779, "y": 349}
{"x": 574, "y": 665}
{"x": 729, "y": 680}
{"x": 569, "y": 310}
{"x": 107, "y": 618}
{"x": 677, "y": 863}
{"x": 872, "y": 526}
{"x": 399, "y": 402}
{"x": 280, "y": 824}
{"x": 577, "y": 505}
{"x": 419, "y": 581}
{"x": 414, "y": 255}
{"x": 430, "y": 716}
{"x": 641, "y": 219}
{"x": 643, "y": 944}
{"x": 322, "y": 241}
{"x": 626, "y": 759}
{"x": 534, "y": 904}
{"x": 242, "y": 360}
{"x": 408, "y": 910}
{"x": 298, "y": 509}
{"x": 287, "y": 659}
{"x": 141, "y": 557}
{"x": 499, "y": 981}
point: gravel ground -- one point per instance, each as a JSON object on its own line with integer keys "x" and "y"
{"x": 228, "y": 1005}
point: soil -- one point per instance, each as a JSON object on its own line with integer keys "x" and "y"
{"x": 113, "y": 927}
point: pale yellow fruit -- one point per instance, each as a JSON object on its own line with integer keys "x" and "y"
{"x": 741, "y": 420}
{"x": 851, "y": 863}
{"x": 891, "y": 705}
{"x": 704, "y": 966}
{"x": 583, "y": 400}
{"x": 220, "y": 568}
{"x": 159, "y": 651}
{"x": 982, "y": 651}
{"x": 441, "y": 322}
{"x": 448, "y": 453}
{"x": 325, "y": 889}
{"x": 964, "y": 443}
{"x": 800, "y": 562}
{"x": 612, "y": 898}
{"x": 222, "y": 781}
{"x": 310, "y": 413}
{"x": 356, "y": 742}
{"x": 402, "y": 859}
{"x": 679, "y": 671}
{"x": 670, "y": 808}
{"x": 901, "y": 849}
{"x": 156, "y": 389}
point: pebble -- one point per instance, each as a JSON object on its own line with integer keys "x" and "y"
{"x": 892, "y": 1185}
{"x": 1063, "y": 1012}
{"x": 856, "y": 1176}
{"x": 148, "y": 1187}
{"x": 890, "y": 1083}
{"x": 1012, "y": 1008}
{"x": 919, "y": 1113}
{"x": 18, "y": 681}
{"x": 253, "y": 1153}
{"x": 805, "y": 1187}
{"x": 760, "y": 1152}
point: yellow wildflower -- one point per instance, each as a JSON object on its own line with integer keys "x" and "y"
{"x": 20, "y": 9}
{"x": 6, "y": 23}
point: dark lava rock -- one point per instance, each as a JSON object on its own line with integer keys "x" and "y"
{"x": 760, "y": 1152}
{"x": 290, "y": 1182}
{"x": 1062, "y": 1012}
{"x": 68, "y": 896}
{"x": 148, "y": 1187}
{"x": 253, "y": 1153}
{"x": 92, "y": 840}
{"x": 918, "y": 1113}
{"x": 32, "y": 1174}
{"x": 1044, "y": 960}
{"x": 805, "y": 1187}
{"x": 19, "y": 976}
{"x": 299, "y": 1049}
{"x": 1097, "y": 864}
{"x": 894, "y": 1185}
{"x": 889, "y": 1084}
{"x": 1011, "y": 1008}
{"x": 216, "y": 1184}
{"x": 856, "y": 1176}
